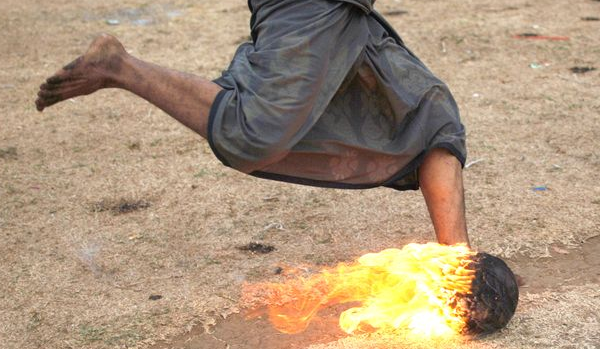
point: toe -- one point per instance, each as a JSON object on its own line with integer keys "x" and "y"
{"x": 50, "y": 101}
{"x": 55, "y": 80}
{"x": 47, "y": 87}
{"x": 58, "y": 80}
{"x": 39, "y": 104}
{"x": 45, "y": 100}
{"x": 46, "y": 94}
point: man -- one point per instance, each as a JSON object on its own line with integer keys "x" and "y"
{"x": 326, "y": 94}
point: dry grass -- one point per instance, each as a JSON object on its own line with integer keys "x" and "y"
{"x": 73, "y": 276}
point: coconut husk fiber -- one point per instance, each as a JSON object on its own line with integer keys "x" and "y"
{"x": 494, "y": 297}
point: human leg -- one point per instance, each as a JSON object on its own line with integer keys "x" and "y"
{"x": 106, "y": 64}
{"x": 440, "y": 178}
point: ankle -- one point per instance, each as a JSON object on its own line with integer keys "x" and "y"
{"x": 117, "y": 70}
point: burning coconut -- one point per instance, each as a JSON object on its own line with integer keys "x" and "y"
{"x": 429, "y": 290}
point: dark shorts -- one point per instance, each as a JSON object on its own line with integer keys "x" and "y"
{"x": 328, "y": 95}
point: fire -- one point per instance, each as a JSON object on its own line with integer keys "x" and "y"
{"x": 417, "y": 289}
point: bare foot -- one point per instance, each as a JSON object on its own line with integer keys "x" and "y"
{"x": 96, "y": 69}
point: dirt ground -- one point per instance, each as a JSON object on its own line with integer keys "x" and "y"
{"x": 121, "y": 230}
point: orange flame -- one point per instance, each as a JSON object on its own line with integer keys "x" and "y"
{"x": 417, "y": 288}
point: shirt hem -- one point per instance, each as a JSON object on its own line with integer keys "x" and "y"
{"x": 211, "y": 120}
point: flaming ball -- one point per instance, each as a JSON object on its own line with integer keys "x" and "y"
{"x": 425, "y": 290}
{"x": 494, "y": 296}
